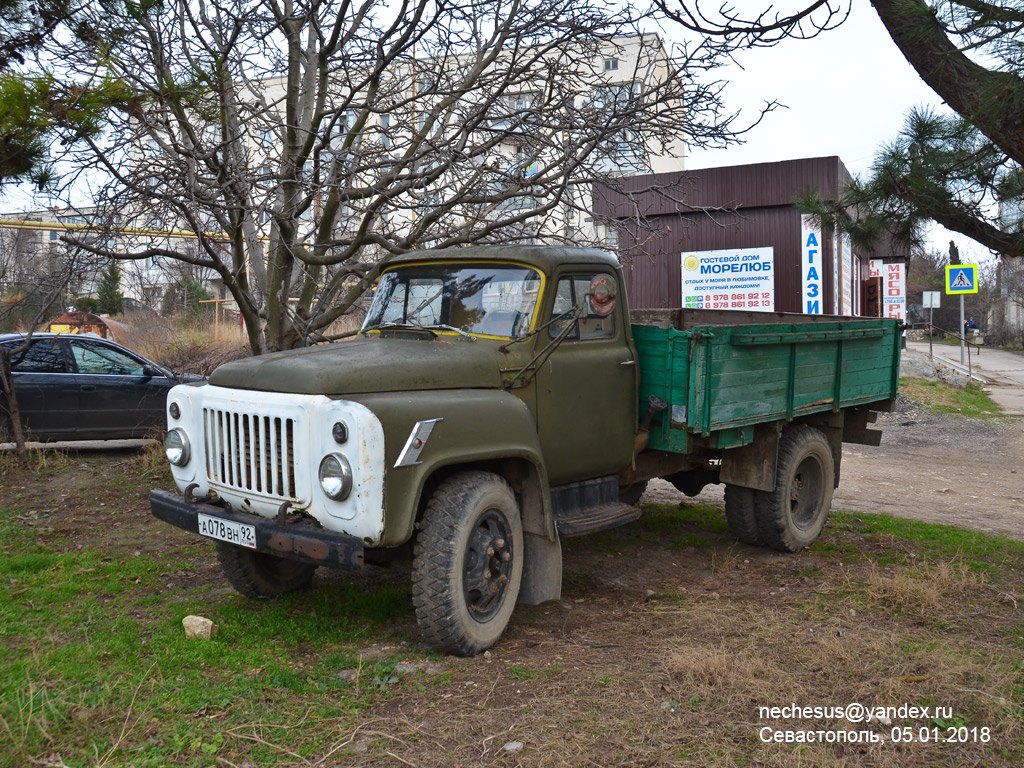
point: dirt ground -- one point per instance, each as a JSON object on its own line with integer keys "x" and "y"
{"x": 934, "y": 468}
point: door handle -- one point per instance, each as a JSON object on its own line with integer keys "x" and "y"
{"x": 628, "y": 362}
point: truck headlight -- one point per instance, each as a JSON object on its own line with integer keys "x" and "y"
{"x": 336, "y": 476}
{"x": 177, "y": 448}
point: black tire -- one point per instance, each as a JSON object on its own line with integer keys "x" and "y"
{"x": 631, "y": 494}
{"x": 467, "y": 563}
{"x": 791, "y": 517}
{"x": 256, "y": 574}
{"x": 740, "y": 515}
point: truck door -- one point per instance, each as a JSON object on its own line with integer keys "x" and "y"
{"x": 586, "y": 390}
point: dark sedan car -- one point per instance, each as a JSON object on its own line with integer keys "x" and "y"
{"x": 75, "y": 387}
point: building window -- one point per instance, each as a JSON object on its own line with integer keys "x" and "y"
{"x": 385, "y": 128}
{"x": 610, "y": 65}
{"x": 611, "y": 239}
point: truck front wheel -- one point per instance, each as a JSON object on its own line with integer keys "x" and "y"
{"x": 256, "y": 574}
{"x": 468, "y": 563}
{"x": 791, "y": 517}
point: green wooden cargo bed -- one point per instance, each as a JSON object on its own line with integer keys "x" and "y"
{"x": 721, "y": 373}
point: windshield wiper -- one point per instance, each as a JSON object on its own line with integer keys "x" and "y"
{"x": 446, "y": 327}
{"x": 431, "y": 327}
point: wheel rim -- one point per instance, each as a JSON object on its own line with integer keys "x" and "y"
{"x": 487, "y": 566}
{"x": 806, "y": 491}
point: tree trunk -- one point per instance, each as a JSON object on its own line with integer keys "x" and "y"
{"x": 7, "y": 380}
{"x": 992, "y": 100}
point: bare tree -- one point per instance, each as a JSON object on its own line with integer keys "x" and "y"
{"x": 298, "y": 144}
{"x": 35, "y": 276}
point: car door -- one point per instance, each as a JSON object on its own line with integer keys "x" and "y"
{"x": 586, "y": 390}
{"x": 46, "y": 390}
{"x": 119, "y": 397}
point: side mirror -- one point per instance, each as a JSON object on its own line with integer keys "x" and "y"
{"x": 602, "y": 295}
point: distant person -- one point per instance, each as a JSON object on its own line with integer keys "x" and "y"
{"x": 970, "y": 325}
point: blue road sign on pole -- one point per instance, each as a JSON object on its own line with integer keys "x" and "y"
{"x": 961, "y": 278}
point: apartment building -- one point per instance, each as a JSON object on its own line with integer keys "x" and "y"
{"x": 33, "y": 249}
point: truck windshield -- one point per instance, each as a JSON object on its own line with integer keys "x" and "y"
{"x": 484, "y": 299}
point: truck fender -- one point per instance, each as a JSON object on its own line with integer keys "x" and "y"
{"x": 475, "y": 428}
{"x": 472, "y": 428}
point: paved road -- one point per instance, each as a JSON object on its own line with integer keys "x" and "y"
{"x": 1003, "y": 371}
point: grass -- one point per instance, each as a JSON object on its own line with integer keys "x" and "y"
{"x": 970, "y": 402}
{"x": 979, "y": 551}
{"x": 96, "y": 660}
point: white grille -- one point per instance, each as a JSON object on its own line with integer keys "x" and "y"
{"x": 250, "y": 452}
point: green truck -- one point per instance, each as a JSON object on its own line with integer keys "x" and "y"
{"x": 499, "y": 399}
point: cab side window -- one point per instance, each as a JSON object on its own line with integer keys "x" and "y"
{"x": 595, "y": 322}
{"x": 98, "y": 359}
{"x": 44, "y": 356}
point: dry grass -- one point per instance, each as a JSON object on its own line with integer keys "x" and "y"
{"x": 38, "y": 460}
{"x": 617, "y": 680}
{"x": 922, "y": 590}
{"x": 191, "y": 346}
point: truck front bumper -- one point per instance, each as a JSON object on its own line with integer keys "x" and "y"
{"x": 291, "y": 541}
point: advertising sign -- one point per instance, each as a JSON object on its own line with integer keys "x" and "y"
{"x": 847, "y": 276}
{"x": 743, "y": 278}
{"x": 894, "y": 290}
{"x": 812, "y": 283}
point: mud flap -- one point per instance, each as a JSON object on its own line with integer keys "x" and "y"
{"x": 753, "y": 465}
{"x": 542, "y": 571}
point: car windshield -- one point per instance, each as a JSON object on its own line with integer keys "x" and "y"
{"x": 484, "y": 299}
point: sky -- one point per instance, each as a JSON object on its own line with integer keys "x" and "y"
{"x": 846, "y": 91}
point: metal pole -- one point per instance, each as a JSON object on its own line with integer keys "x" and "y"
{"x": 963, "y": 333}
{"x": 931, "y": 329}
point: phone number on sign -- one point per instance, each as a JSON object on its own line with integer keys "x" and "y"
{"x": 904, "y": 735}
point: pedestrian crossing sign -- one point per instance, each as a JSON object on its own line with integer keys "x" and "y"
{"x": 961, "y": 278}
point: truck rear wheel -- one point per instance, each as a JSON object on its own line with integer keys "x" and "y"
{"x": 467, "y": 563}
{"x": 256, "y": 574}
{"x": 740, "y": 515}
{"x": 791, "y": 517}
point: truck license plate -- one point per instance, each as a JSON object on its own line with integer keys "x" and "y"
{"x": 227, "y": 530}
